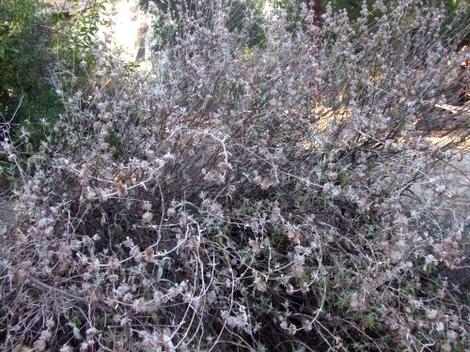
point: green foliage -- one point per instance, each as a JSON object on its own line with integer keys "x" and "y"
{"x": 39, "y": 45}
{"x": 27, "y": 98}
{"x": 75, "y": 41}
{"x": 32, "y": 40}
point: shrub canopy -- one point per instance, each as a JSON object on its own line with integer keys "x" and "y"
{"x": 266, "y": 198}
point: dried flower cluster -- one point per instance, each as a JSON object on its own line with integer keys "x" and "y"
{"x": 246, "y": 199}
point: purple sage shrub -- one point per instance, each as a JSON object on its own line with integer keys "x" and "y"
{"x": 275, "y": 198}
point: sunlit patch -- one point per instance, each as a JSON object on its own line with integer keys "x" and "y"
{"x": 126, "y": 30}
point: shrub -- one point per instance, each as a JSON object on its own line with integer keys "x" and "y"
{"x": 274, "y": 198}
{"x": 175, "y": 17}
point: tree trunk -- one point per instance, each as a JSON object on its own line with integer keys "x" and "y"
{"x": 315, "y": 6}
